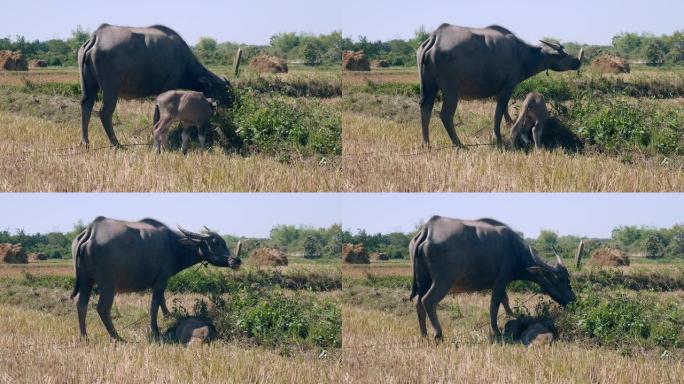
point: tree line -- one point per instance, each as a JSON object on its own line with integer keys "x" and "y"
{"x": 305, "y": 48}
{"x": 326, "y": 243}
{"x": 644, "y": 48}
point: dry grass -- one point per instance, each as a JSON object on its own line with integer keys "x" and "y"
{"x": 40, "y": 155}
{"x": 38, "y": 268}
{"x": 39, "y": 75}
{"x": 39, "y": 344}
{"x": 36, "y": 347}
{"x": 377, "y": 158}
{"x": 383, "y": 346}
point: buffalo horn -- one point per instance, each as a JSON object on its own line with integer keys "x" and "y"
{"x": 238, "y": 247}
{"x": 580, "y": 56}
{"x": 558, "y": 259}
{"x": 192, "y": 235}
{"x": 555, "y": 46}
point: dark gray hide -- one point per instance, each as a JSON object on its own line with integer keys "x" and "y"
{"x": 132, "y": 256}
{"x": 477, "y": 63}
{"x": 475, "y": 255}
{"x": 133, "y": 63}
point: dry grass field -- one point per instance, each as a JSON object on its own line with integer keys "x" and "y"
{"x": 40, "y": 148}
{"x": 382, "y": 142}
{"x": 39, "y": 344}
{"x": 381, "y": 341}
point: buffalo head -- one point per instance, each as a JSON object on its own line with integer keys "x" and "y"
{"x": 555, "y": 281}
{"x": 559, "y": 60}
{"x": 213, "y": 249}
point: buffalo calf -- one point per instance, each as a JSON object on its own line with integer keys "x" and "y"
{"x": 188, "y": 107}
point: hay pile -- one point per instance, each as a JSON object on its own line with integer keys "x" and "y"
{"x": 609, "y": 257}
{"x": 610, "y": 64}
{"x": 267, "y": 63}
{"x": 35, "y": 256}
{"x": 13, "y": 61}
{"x": 270, "y": 257}
{"x": 38, "y": 64}
{"x": 379, "y": 256}
{"x": 355, "y": 61}
{"x": 354, "y": 254}
{"x": 13, "y": 254}
{"x": 380, "y": 63}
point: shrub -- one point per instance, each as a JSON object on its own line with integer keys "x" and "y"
{"x": 273, "y": 319}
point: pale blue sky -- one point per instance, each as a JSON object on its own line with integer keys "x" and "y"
{"x": 593, "y": 215}
{"x": 585, "y": 21}
{"x": 250, "y": 22}
{"x": 589, "y": 21}
{"x": 253, "y": 215}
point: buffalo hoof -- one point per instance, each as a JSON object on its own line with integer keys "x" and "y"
{"x": 439, "y": 339}
{"x": 85, "y": 144}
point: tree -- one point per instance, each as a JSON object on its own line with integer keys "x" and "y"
{"x": 627, "y": 235}
{"x": 207, "y": 44}
{"x": 654, "y": 245}
{"x": 312, "y": 54}
{"x": 655, "y": 52}
{"x": 312, "y": 247}
{"x": 547, "y": 241}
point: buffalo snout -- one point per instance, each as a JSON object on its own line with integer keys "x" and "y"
{"x": 234, "y": 263}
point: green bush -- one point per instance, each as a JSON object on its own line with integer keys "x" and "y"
{"x": 213, "y": 280}
{"x": 273, "y": 319}
{"x": 276, "y": 125}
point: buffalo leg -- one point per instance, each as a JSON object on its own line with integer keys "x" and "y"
{"x": 428, "y": 92}
{"x": 501, "y": 107}
{"x": 109, "y": 100}
{"x": 104, "y": 309}
{"x": 507, "y": 307}
{"x": 164, "y": 309}
{"x": 202, "y": 133}
{"x": 157, "y": 298}
{"x": 420, "y": 310}
{"x": 160, "y": 133}
{"x": 537, "y": 134}
{"x": 507, "y": 116}
{"x": 430, "y": 301}
{"x": 498, "y": 294}
{"x": 90, "y": 89}
{"x": 84, "y": 290}
{"x": 447, "y": 113}
{"x": 185, "y": 138}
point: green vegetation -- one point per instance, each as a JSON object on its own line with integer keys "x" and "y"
{"x": 273, "y": 319}
{"x": 302, "y": 47}
{"x": 619, "y": 320}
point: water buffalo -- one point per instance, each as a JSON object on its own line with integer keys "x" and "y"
{"x": 125, "y": 256}
{"x": 475, "y": 255}
{"x": 477, "y": 63}
{"x": 191, "y": 108}
{"x": 133, "y": 63}
{"x": 532, "y": 119}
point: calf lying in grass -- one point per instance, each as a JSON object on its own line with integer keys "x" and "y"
{"x": 188, "y": 107}
{"x": 530, "y": 331}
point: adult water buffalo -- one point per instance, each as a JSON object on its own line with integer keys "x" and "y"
{"x": 475, "y": 255}
{"x": 133, "y": 63}
{"x": 476, "y": 63}
{"x": 132, "y": 256}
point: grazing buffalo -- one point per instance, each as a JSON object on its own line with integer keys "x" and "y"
{"x": 133, "y": 63}
{"x": 476, "y": 255}
{"x": 532, "y": 119}
{"x": 477, "y": 63}
{"x": 132, "y": 256}
{"x": 191, "y": 108}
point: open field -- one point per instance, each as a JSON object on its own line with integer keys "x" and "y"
{"x": 40, "y": 124}
{"x": 382, "y": 343}
{"x": 39, "y": 337}
{"x": 638, "y": 145}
